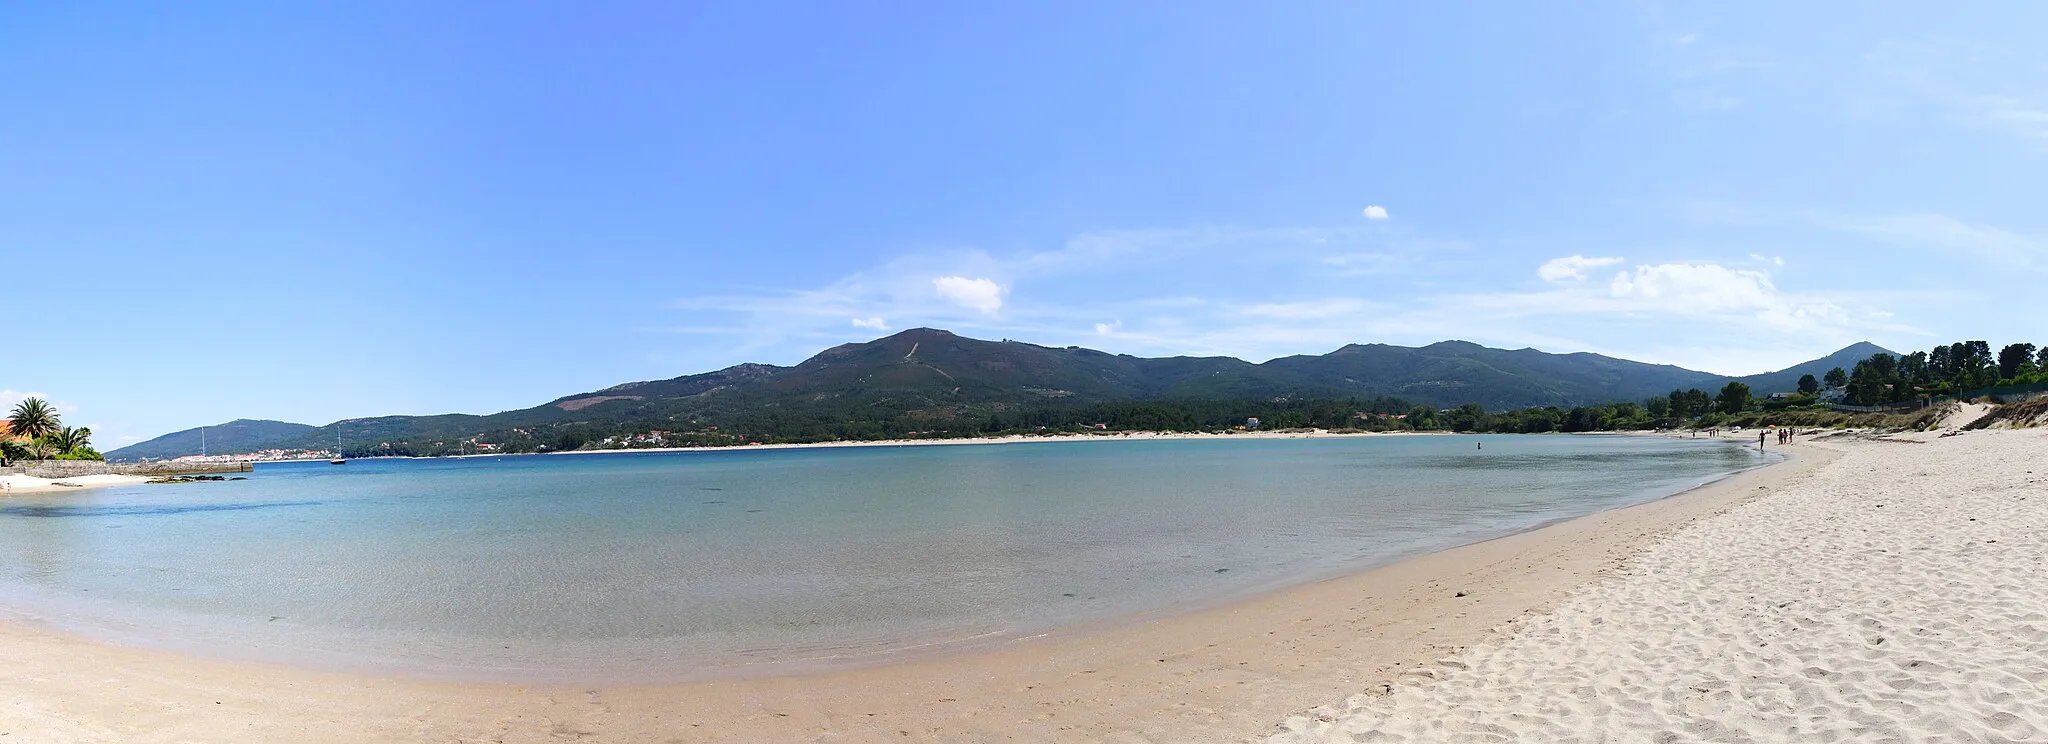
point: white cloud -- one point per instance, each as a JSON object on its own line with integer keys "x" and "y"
{"x": 873, "y": 324}
{"x": 1695, "y": 286}
{"x": 1375, "y": 212}
{"x": 1257, "y": 293}
{"x": 1763, "y": 259}
{"x": 980, "y": 295}
{"x": 1572, "y": 267}
{"x": 1708, "y": 288}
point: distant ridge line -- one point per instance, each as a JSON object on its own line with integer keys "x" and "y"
{"x": 938, "y": 376}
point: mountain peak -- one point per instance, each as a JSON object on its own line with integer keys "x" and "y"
{"x": 1863, "y": 349}
{"x": 1787, "y": 379}
{"x": 919, "y": 334}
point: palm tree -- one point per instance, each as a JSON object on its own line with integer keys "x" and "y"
{"x": 41, "y": 449}
{"x": 34, "y": 419}
{"x": 69, "y": 440}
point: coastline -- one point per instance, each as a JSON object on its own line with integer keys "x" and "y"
{"x": 1227, "y": 672}
{"x": 1005, "y": 439}
{"x": 1010, "y": 439}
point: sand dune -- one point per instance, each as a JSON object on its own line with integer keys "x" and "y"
{"x": 1899, "y": 593}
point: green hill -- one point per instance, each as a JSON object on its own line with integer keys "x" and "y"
{"x": 233, "y": 437}
{"x": 927, "y": 380}
{"x": 1787, "y": 380}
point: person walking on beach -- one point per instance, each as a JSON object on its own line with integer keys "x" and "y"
{"x": 1760, "y": 440}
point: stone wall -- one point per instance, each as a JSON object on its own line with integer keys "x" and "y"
{"x": 75, "y": 468}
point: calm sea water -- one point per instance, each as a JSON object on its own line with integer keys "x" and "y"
{"x": 674, "y": 566}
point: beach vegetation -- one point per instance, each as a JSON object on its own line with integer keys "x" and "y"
{"x": 73, "y": 443}
{"x": 2015, "y": 360}
{"x": 1734, "y": 398}
{"x": 40, "y": 449}
{"x": 36, "y": 432}
{"x": 33, "y": 418}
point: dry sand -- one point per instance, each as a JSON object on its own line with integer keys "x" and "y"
{"x": 1223, "y": 674}
{"x": 1897, "y": 594}
{"x": 30, "y": 484}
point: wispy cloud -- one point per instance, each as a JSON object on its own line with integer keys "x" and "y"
{"x": 1995, "y": 247}
{"x": 1973, "y": 85}
{"x": 1572, "y": 267}
{"x": 2021, "y": 117}
{"x": 1257, "y": 293}
{"x": 1334, "y": 307}
{"x": 2001, "y": 248}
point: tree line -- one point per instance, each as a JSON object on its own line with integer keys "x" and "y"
{"x": 36, "y": 432}
{"x": 1944, "y": 370}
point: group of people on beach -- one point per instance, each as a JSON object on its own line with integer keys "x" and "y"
{"x": 1784, "y": 436}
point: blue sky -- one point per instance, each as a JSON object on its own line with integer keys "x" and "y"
{"x": 213, "y": 211}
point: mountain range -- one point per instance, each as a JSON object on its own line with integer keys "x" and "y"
{"x": 928, "y": 377}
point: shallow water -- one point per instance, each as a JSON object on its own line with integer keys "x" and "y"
{"x": 683, "y": 565}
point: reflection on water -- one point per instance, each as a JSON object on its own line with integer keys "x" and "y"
{"x": 661, "y": 564}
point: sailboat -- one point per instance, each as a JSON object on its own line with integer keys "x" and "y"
{"x": 338, "y": 459}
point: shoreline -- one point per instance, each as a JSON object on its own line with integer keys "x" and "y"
{"x": 1228, "y": 672}
{"x": 1005, "y": 439}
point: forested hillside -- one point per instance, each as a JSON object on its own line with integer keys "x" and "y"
{"x": 929, "y": 382}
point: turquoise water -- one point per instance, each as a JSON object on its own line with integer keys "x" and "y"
{"x": 684, "y": 565}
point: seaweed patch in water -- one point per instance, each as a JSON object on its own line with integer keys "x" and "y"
{"x": 138, "y": 510}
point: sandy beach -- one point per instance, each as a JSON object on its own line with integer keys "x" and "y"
{"x": 1224, "y": 674}
{"x": 10, "y": 484}
{"x": 1869, "y": 589}
{"x": 1895, "y": 595}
